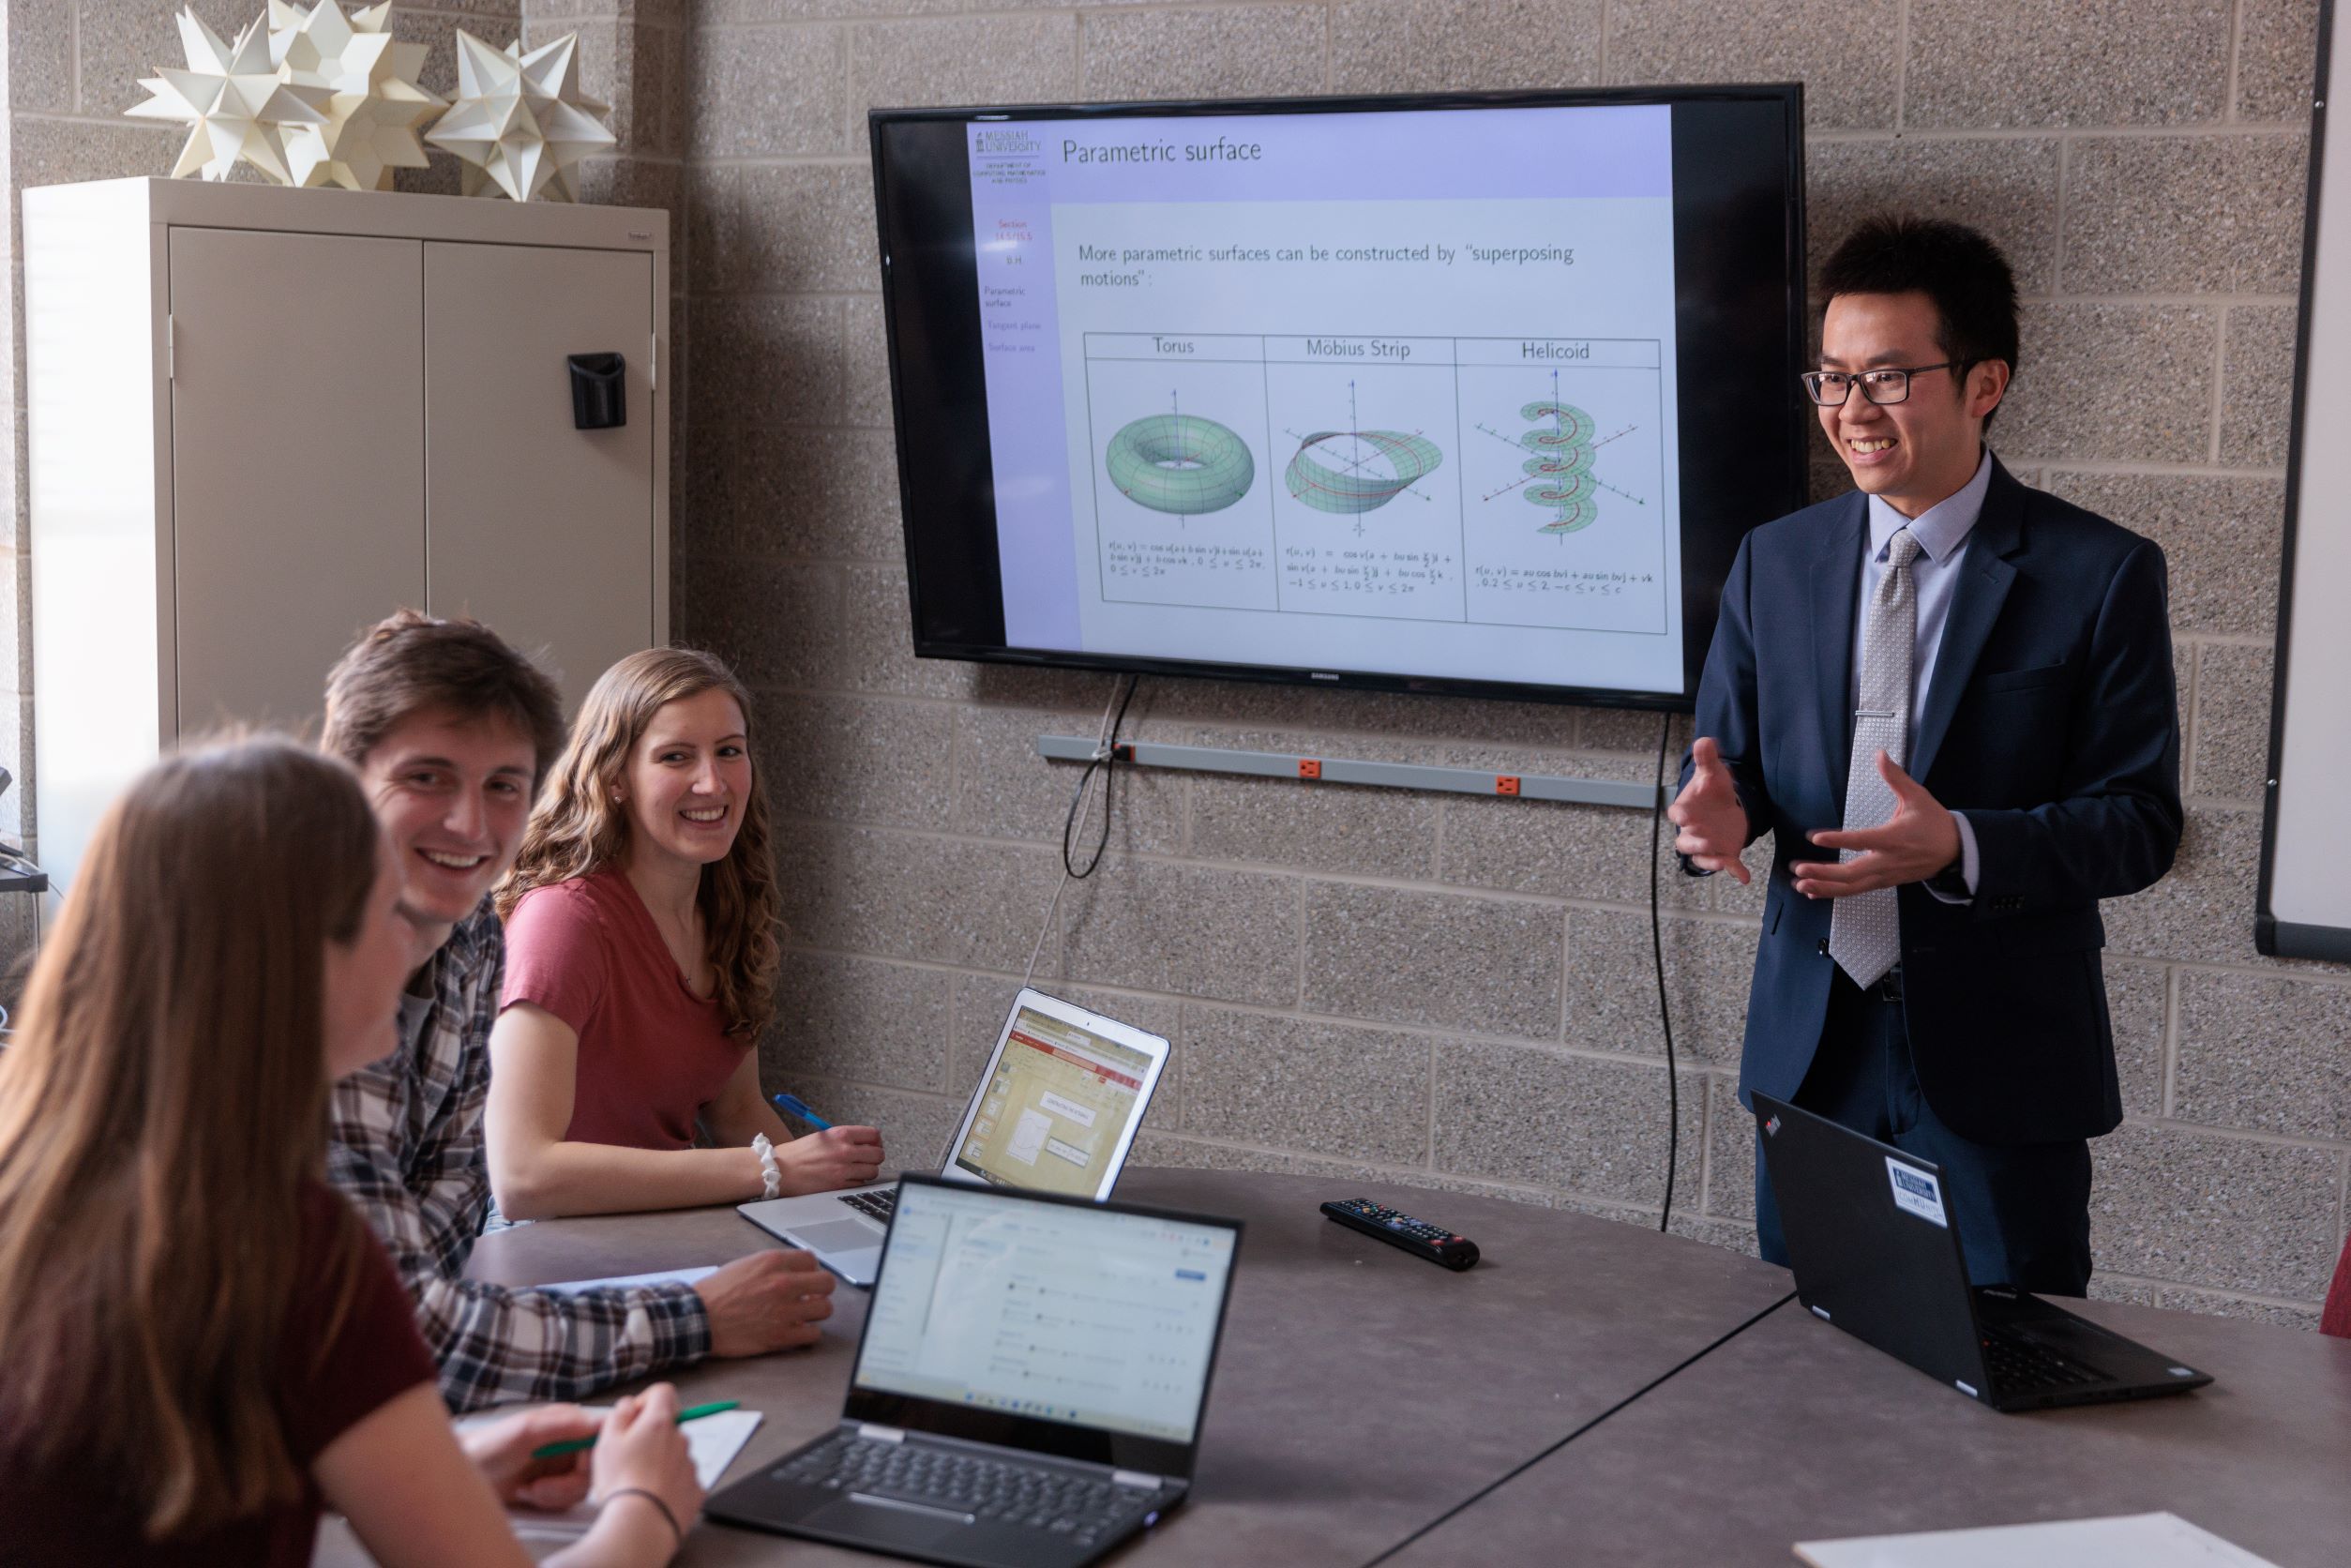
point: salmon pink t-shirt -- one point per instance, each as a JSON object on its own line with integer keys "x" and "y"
{"x": 652, "y": 1055}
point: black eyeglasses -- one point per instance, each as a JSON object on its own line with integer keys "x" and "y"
{"x": 1831, "y": 388}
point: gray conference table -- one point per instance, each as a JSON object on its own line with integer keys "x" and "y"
{"x": 1796, "y": 1431}
{"x": 1360, "y": 1393}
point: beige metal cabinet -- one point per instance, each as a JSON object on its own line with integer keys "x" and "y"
{"x": 261, "y": 418}
{"x": 512, "y": 536}
{"x": 297, "y": 499}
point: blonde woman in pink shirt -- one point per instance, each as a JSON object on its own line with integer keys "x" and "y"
{"x": 642, "y": 946}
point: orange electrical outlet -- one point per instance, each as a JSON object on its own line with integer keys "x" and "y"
{"x": 1506, "y": 784}
{"x": 1309, "y": 768}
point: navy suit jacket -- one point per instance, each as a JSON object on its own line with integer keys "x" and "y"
{"x": 2051, "y": 723}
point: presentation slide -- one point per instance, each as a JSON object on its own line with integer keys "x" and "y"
{"x": 1348, "y": 392}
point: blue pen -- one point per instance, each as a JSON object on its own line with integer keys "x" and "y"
{"x": 792, "y": 1106}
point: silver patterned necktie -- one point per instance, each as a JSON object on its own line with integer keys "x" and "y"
{"x": 1864, "y": 930}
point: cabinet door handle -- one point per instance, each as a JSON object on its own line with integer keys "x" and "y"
{"x": 598, "y": 391}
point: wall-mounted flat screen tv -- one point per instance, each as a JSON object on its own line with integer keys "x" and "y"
{"x": 1471, "y": 394}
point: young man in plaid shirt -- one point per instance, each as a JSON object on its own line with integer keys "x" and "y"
{"x": 451, "y": 731}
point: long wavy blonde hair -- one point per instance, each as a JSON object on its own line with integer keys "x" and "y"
{"x": 162, "y": 1108}
{"x": 577, "y": 828}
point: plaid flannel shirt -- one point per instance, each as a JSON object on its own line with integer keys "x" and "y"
{"x": 407, "y": 1149}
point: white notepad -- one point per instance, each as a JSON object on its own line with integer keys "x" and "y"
{"x": 664, "y": 1277}
{"x": 714, "y": 1441}
{"x": 2124, "y": 1541}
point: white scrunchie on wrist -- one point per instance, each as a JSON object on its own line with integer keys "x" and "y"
{"x": 771, "y": 1179}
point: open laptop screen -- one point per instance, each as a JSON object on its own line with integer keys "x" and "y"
{"x": 1056, "y": 1312}
{"x": 1056, "y": 1109}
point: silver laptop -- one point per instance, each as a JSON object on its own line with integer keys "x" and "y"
{"x": 1055, "y": 1110}
{"x": 1028, "y": 1388}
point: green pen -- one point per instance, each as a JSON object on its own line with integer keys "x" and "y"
{"x": 576, "y": 1445}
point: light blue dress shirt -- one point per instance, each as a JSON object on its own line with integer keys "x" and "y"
{"x": 1943, "y": 532}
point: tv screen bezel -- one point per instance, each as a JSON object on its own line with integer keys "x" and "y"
{"x": 942, "y": 565}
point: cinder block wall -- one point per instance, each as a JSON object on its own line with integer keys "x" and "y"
{"x": 1454, "y": 993}
{"x": 1457, "y": 992}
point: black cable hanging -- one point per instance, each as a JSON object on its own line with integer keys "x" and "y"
{"x": 1107, "y": 760}
{"x": 1657, "y": 952}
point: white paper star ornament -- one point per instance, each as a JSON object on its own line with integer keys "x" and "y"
{"x": 231, "y": 101}
{"x": 374, "y": 105}
{"x": 521, "y": 121}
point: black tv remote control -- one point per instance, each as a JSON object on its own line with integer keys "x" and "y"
{"x": 1417, "y": 1237}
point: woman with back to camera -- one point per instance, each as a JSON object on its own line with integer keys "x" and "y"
{"x": 205, "y": 1345}
{"x": 642, "y": 959}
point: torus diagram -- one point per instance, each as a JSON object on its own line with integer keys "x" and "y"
{"x": 1180, "y": 463}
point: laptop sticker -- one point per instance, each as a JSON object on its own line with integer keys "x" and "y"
{"x": 1916, "y": 1192}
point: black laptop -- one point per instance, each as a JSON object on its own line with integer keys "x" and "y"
{"x": 1876, "y": 1251}
{"x": 1028, "y": 1388}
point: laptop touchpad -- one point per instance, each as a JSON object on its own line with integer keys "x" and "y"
{"x": 904, "y": 1526}
{"x": 837, "y": 1235}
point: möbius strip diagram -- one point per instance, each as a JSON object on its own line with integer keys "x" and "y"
{"x": 1354, "y": 471}
{"x": 1375, "y": 467}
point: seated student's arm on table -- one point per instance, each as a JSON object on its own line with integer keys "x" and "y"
{"x": 415, "y": 1500}
{"x": 538, "y": 1174}
{"x": 840, "y": 1156}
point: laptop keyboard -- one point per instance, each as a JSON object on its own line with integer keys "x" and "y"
{"x": 1062, "y": 1503}
{"x": 2017, "y": 1364}
{"x": 879, "y": 1204}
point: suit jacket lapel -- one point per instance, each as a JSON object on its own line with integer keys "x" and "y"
{"x": 1835, "y": 581}
{"x": 1976, "y": 599}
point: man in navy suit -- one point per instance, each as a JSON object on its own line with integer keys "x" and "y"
{"x": 1949, "y": 699}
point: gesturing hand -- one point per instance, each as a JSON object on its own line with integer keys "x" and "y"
{"x": 1712, "y": 823}
{"x": 1915, "y": 842}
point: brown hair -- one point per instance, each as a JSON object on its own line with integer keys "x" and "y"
{"x": 160, "y": 1111}
{"x": 577, "y": 828}
{"x": 409, "y": 662}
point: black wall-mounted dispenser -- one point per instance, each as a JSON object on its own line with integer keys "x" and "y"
{"x": 600, "y": 384}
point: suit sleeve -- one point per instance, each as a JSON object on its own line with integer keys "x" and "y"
{"x": 1727, "y": 698}
{"x": 2115, "y": 826}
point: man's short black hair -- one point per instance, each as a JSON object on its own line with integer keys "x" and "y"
{"x": 1973, "y": 288}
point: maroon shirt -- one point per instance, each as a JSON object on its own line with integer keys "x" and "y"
{"x": 652, "y": 1055}
{"x": 73, "y": 1512}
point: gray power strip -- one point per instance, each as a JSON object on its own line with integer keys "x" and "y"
{"x": 1340, "y": 770}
